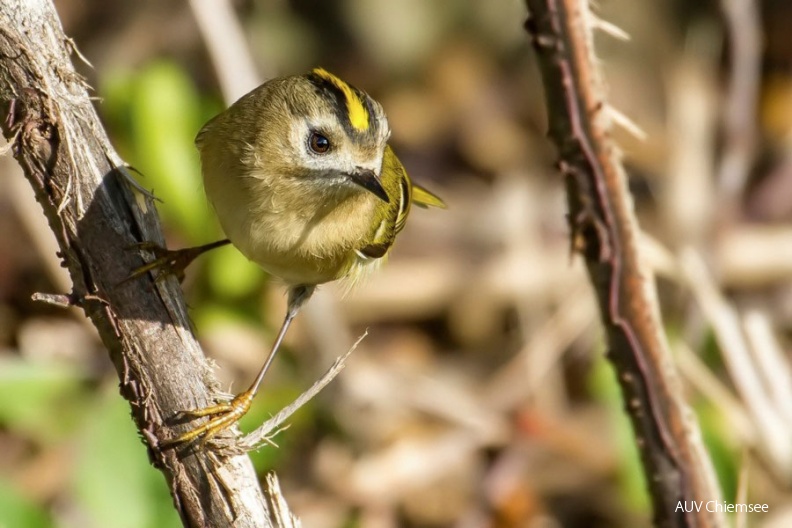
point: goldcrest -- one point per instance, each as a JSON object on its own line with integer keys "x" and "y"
{"x": 304, "y": 183}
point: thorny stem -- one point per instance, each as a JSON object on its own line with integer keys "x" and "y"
{"x": 604, "y": 230}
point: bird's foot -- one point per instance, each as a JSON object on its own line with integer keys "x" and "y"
{"x": 223, "y": 416}
{"x": 167, "y": 261}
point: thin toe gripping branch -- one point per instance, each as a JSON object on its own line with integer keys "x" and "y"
{"x": 169, "y": 262}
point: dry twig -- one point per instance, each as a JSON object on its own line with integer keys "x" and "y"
{"x": 740, "y": 127}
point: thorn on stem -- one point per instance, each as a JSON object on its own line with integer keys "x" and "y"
{"x": 62, "y": 300}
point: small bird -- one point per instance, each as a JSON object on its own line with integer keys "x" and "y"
{"x": 304, "y": 183}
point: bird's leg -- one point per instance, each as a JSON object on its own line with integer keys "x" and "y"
{"x": 170, "y": 262}
{"x": 224, "y": 415}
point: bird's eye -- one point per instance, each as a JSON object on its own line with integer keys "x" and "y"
{"x": 319, "y": 143}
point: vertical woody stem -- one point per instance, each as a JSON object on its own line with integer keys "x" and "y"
{"x": 604, "y": 230}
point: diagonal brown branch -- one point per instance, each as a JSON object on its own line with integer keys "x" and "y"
{"x": 83, "y": 189}
{"x": 605, "y": 231}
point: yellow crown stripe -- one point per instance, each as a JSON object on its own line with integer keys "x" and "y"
{"x": 358, "y": 115}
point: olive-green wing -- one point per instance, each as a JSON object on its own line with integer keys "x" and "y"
{"x": 402, "y": 193}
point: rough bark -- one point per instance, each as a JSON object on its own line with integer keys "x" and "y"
{"x": 604, "y": 230}
{"x": 84, "y": 191}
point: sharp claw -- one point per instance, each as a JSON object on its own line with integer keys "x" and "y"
{"x": 136, "y": 273}
{"x": 169, "y": 262}
{"x": 207, "y": 430}
{"x": 220, "y": 408}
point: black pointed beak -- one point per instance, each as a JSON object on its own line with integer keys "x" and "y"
{"x": 369, "y": 181}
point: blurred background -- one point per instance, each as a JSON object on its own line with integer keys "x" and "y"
{"x": 480, "y": 396}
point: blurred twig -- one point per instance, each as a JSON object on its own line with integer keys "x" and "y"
{"x": 741, "y": 520}
{"x": 34, "y": 223}
{"x": 81, "y": 185}
{"x": 518, "y": 380}
{"x": 700, "y": 376}
{"x": 774, "y": 431}
{"x": 688, "y": 197}
{"x": 771, "y": 362}
{"x": 262, "y": 435}
{"x": 740, "y": 127}
{"x": 227, "y": 47}
{"x": 605, "y": 231}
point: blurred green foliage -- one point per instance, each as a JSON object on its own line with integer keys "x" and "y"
{"x": 719, "y": 441}
{"x": 605, "y": 389}
{"x": 17, "y": 511}
{"x": 112, "y": 480}
{"x": 43, "y": 387}
{"x": 155, "y": 114}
